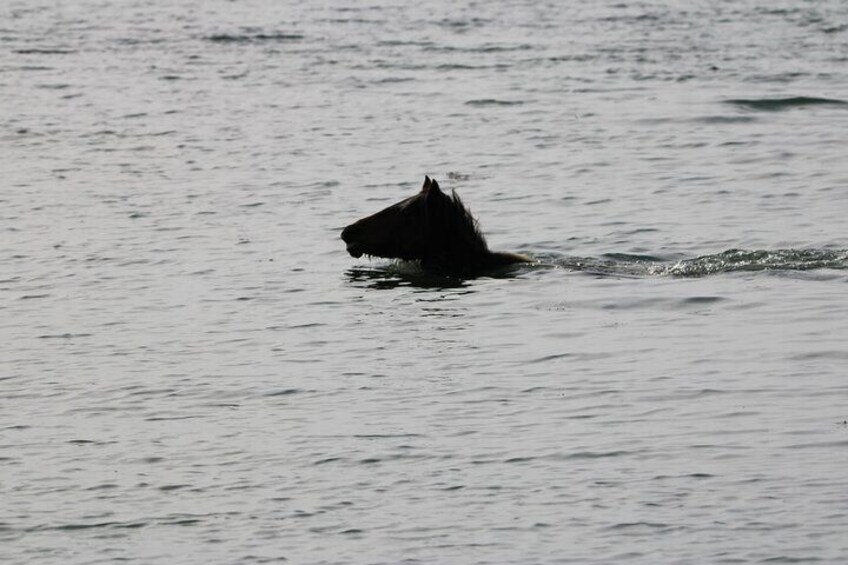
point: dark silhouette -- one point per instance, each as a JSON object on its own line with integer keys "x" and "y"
{"x": 431, "y": 227}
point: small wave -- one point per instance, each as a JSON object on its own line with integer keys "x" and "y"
{"x": 404, "y": 43}
{"x": 456, "y": 67}
{"x": 777, "y": 104}
{"x": 284, "y": 392}
{"x": 835, "y": 28}
{"x": 493, "y": 102}
{"x": 43, "y": 51}
{"x": 724, "y": 120}
{"x": 730, "y": 261}
{"x": 791, "y": 559}
{"x": 501, "y": 48}
{"x": 631, "y": 258}
{"x": 641, "y": 524}
{"x": 253, "y": 37}
{"x": 89, "y": 526}
{"x": 738, "y": 260}
{"x": 461, "y": 24}
{"x": 597, "y": 454}
{"x": 488, "y": 48}
{"x": 64, "y": 336}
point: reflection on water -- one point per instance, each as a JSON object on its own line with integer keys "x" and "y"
{"x": 396, "y": 274}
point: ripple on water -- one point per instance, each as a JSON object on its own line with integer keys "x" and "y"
{"x": 777, "y": 104}
{"x": 195, "y": 371}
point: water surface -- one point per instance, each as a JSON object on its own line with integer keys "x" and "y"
{"x": 194, "y": 370}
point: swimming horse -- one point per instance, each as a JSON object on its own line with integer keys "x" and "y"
{"x": 431, "y": 227}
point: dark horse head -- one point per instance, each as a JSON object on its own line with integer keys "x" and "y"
{"x": 432, "y": 227}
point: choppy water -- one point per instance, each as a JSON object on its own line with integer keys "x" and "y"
{"x": 194, "y": 371}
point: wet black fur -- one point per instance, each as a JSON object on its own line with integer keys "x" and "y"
{"x": 432, "y": 227}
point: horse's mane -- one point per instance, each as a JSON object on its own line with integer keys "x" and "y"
{"x": 456, "y": 228}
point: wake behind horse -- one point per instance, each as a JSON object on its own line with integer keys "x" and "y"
{"x": 431, "y": 227}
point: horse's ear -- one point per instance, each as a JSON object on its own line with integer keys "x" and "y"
{"x": 433, "y": 195}
{"x": 427, "y": 183}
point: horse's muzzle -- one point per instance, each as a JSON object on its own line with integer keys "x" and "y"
{"x": 352, "y": 247}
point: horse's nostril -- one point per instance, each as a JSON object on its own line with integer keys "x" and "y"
{"x": 346, "y": 234}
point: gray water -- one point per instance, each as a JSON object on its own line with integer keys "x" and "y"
{"x": 194, "y": 371}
